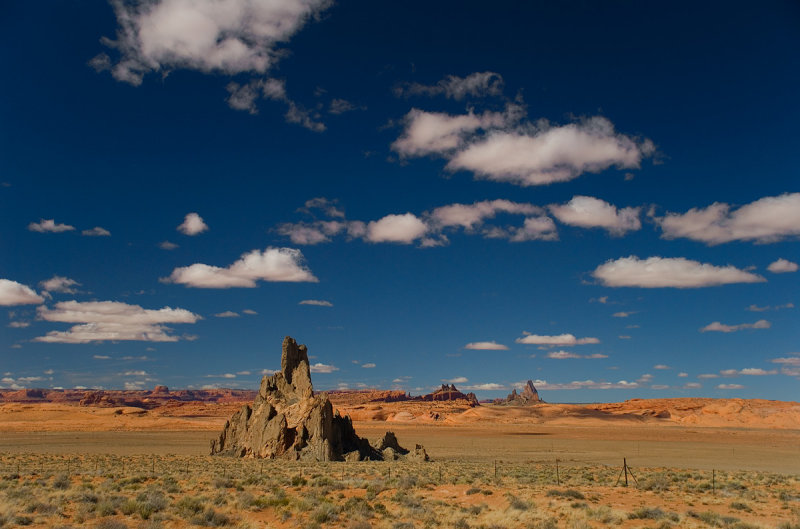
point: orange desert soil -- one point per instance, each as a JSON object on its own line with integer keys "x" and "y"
{"x": 162, "y": 414}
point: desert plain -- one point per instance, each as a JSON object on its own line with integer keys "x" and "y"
{"x": 730, "y": 463}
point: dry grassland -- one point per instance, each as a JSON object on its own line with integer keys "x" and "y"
{"x": 116, "y": 480}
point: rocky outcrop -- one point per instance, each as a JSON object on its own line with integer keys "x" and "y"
{"x": 97, "y": 398}
{"x": 529, "y": 396}
{"x": 287, "y": 420}
{"x": 160, "y": 391}
{"x": 449, "y": 392}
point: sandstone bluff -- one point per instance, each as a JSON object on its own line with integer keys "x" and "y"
{"x": 287, "y": 420}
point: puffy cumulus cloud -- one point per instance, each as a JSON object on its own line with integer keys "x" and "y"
{"x": 273, "y": 264}
{"x": 793, "y": 360}
{"x": 63, "y": 285}
{"x": 227, "y": 314}
{"x": 316, "y": 303}
{"x": 223, "y": 36}
{"x": 730, "y": 386}
{"x": 756, "y": 308}
{"x": 544, "y": 154}
{"x": 430, "y": 228}
{"x": 471, "y": 216}
{"x": 748, "y": 371}
{"x": 166, "y": 245}
{"x": 782, "y": 266}
{"x": 97, "y": 231}
{"x": 721, "y": 327}
{"x": 244, "y": 97}
{"x": 486, "y": 386}
{"x": 456, "y": 380}
{"x": 586, "y": 384}
{"x": 766, "y": 220}
{"x": 13, "y": 293}
{"x": 674, "y": 272}
{"x": 436, "y": 133}
{"x": 100, "y": 321}
{"x": 323, "y": 368}
{"x": 563, "y": 340}
{"x": 49, "y": 226}
{"x": 566, "y": 355}
{"x": 486, "y": 346}
{"x": 192, "y": 225}
{"x": 403, "y": 229}
{"x": 590, "y": 212}
{"x": 477, "y": 84}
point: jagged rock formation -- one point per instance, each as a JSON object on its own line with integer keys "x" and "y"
{"x": 288, "y": 421}
{"x": 97, "y": 398}
{"x": 449, "y": 392}
{"x": 528, "y": 396}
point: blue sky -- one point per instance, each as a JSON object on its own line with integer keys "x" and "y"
{"x": 600, "y": 197}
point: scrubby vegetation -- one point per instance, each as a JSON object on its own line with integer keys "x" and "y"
{"x": 108, "y": 492}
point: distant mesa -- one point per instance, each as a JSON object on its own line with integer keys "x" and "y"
{"x": 288, "y": 421}
{"x": 99, "y": 399}
{"x": 449, "y": 392}
{"x": 160, "y": 390}
{"x": 528, "y": 397}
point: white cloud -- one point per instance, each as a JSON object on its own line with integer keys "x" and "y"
{"x": 756, "y": 371}
{"x": 675, "y": 272}
{"x": 478, "y": 84}
{"x": 325, "y": 205}
{"x": 590, "y": 212}
{"x": 730, "y": 386}
{"x": 49, "y": 226}
{"x": 223, "y": 375}
{"x": 273, "y": 264}
{"x": 429, "y": 133}
{"x": 692, "y": 385}
{"x": 227, "y": 36}
{"x": 470, "y": 216}
{"x": 13, "y": 293}
{"x": 487, "y": 386}
{"x": 565, "y": 355}
{"x": 545, "y": 154}
{"x": 396, "y": 228}
{"x": 721, "y": 327}
{"x": 586, "y": 384}
{"x": 368, "y": 365}
{"x": 683, "y": 374}
{"x": 708, "y": 375}
{"x": 623, "y": 314}
{"x": 323, "y": 368}
{"x": 486, "y": 346}
{"x": 166, "y": 245}
{"x": 766, "y": 220}
{"x": 134, "y": 385}
{"x": 97, "y": 231}
{"x": 192, "y": 225}
{"x": 533, "y": 229}
{"x": 112, "y": 321}
{"x": 316, "y": 302}
{"x": 782, "y": 266}
{"x": 756, "y": 308}
{"x": 60, "y": 284}
{"x": 250, "y": 312}
{"x": 563, "y": 340}
{"x": 19, "y": 324}
{"x": 101, "y": 357}
{"x": 227, "y": 314}
{"x": 269, "y": 371}
{"x": 788, "y": 360}
{"x": 456, "y": 380}
{"x": 340, "y": 106}
{"x": 662, "y": 367}
{"x": 659, "y": 386}
{"x": 138, "y": 373}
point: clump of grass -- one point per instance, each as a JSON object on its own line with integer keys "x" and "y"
{"x": 652, "y": 513}
{"x": 740, "y": 506}
{"x": 569, "y": 493}
{"x": 517, "y": 503}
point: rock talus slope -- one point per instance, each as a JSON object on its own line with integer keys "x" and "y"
{"x": 288, "y": 421}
